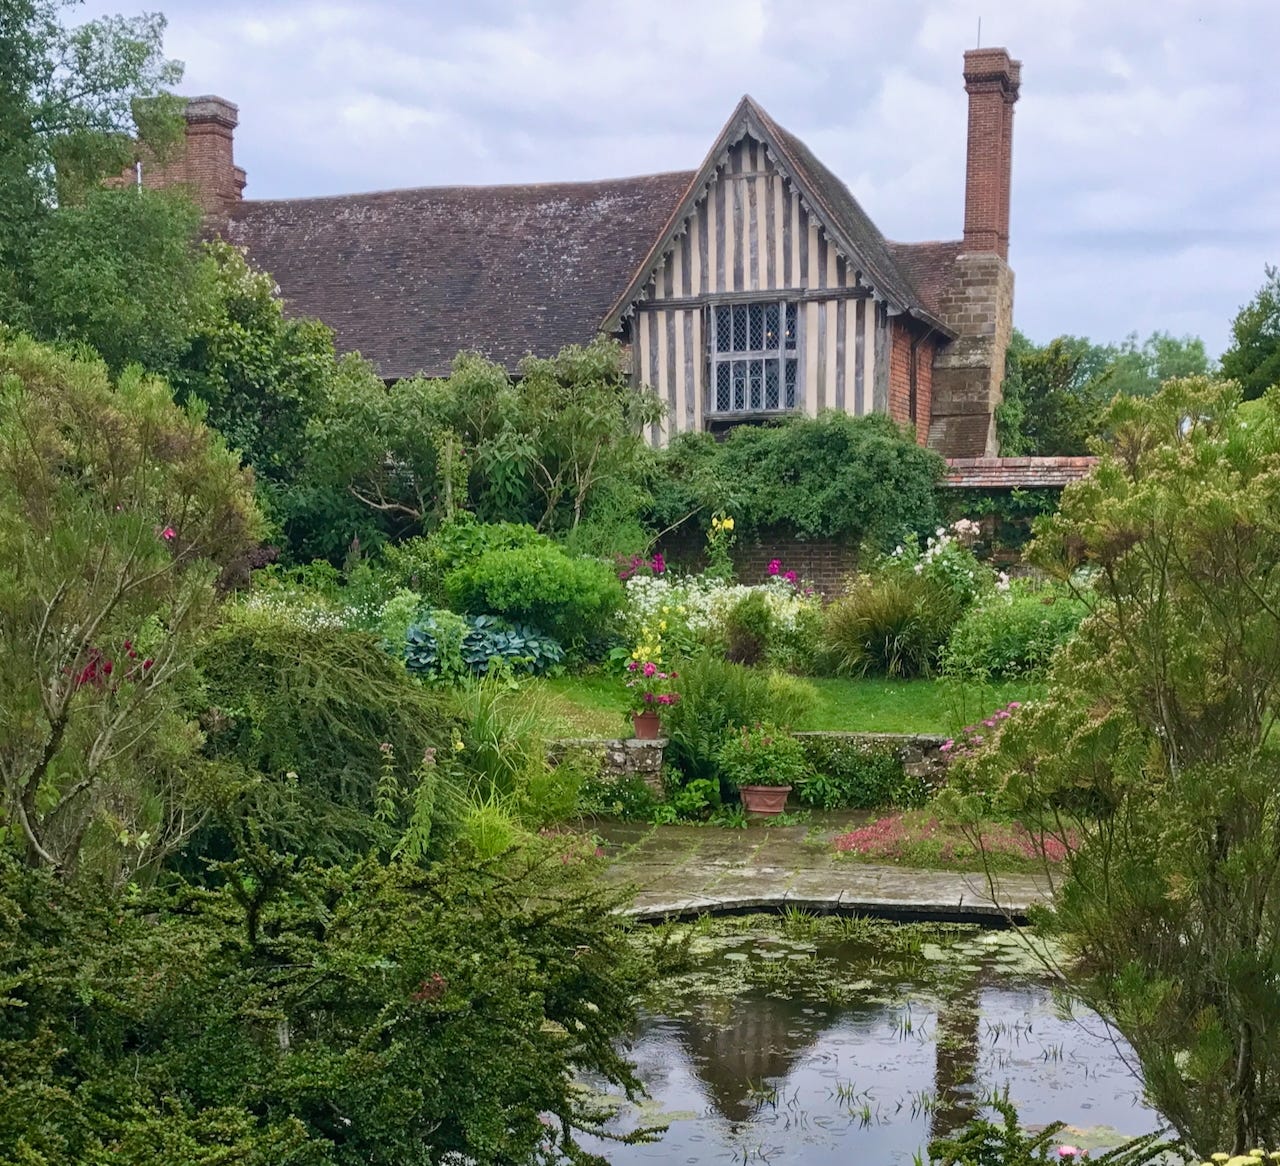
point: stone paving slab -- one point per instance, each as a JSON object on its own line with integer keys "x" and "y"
{"x": 682, "y": 871}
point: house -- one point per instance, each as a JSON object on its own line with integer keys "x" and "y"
{"x": 748, "y": 289}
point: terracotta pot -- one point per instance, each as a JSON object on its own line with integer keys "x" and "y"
{"x": 648, "y": 725}
{"x": 764, "y": 799}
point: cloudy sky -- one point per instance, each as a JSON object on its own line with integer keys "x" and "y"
{"x": 1146, "y": 144}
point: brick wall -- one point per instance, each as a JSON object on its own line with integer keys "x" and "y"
{"x": 900, "y": 379}
{"x": 824, "y": 563}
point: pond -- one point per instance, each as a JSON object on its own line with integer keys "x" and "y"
{"x": 826, "y": 1040}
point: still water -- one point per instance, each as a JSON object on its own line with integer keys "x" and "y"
{"x": 835, "y": 1041}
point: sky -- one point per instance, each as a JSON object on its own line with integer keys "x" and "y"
{"x": 1146, "y": 149}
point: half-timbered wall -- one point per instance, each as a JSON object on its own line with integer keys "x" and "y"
{"x": 751, "y": 238}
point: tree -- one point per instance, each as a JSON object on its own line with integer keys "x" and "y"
{"x": 262, "y": 376}
{"x": 1138, "y": 370}
{"x": 75, "y": 102}
{"x": 122, "y": 273}
{"x": 118, "y": 511}
{"x": 537, "y": 449}
{"x": 1054, "y": 396}
{"x": 1153, "y": 758}
{"x": 1253, "y": 358}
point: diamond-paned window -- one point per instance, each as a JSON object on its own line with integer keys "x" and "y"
{"x": 754, "y": 358}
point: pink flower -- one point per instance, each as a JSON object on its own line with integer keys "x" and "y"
{"x": 168, "y": 534}
{"x": 650, "y": 668}
{"x": 947, "y": 746}
{"x": 775, "y": 565}
{"x": 664, "y": 698}
{"x": 989, "y": 723}
{"x": 1013, "y": 704}
{"x": 790, "y": 576}
{"x": 1071, "y": 1152}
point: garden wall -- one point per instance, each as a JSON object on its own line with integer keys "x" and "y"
{"x": 823, "y": 562}
{"x": 921, "y": 755}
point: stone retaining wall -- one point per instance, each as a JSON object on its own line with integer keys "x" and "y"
{"x": 921, "y": 755}
{"x": 620, "y": 759}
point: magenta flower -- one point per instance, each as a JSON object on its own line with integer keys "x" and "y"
{"x": 790, "y": 576}
{"x": 658, "y": 564}
{"x": 633, "y": 666}
{"x": 775, "y": 565}
{"x": 650, "y": 668}
{"x": 168, "y": 534}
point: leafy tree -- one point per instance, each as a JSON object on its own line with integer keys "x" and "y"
{"x": 1153, "y": 758}
{"x": 122, "y": 273}
{"x": 74, "y": 103}
{"x": 118, "y": 512}
{"x": 1054, "y": 396}
{"x": 1253, "y": 357}
{"x": 262, "y": 376}
{"x": 1138, "y": 370}
{"x": 539, "y": 448}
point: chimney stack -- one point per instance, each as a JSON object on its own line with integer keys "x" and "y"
{"x": 204, "y": 163}
{"x": 991, "y": 79}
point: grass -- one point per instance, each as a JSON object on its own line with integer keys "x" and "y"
{"x": 594, "y": 706}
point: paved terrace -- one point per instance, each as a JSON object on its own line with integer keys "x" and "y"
{"x": 683, "y": 871}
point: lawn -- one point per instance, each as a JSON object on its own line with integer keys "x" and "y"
{"x": 594, "y": 706}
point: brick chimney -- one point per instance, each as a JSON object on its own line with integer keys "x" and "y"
{"x": 991, "y": 80}
{"x": 977, "y": 301}
{"x": 204, "y": 163}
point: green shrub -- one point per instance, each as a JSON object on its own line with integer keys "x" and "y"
{"x": 572, "y": 599}
{"x": 748, "y": 629}
{"x": 854, "y": 775}
{"x": 891, "y": 624}
{"x": 761, "y": 754}
{"x": 423, "y": 563}
{"x": 1013, "y": 633}
{"x": 310, "y": 714}
{"x": 717, "y": 696}
{"x": 627, "y": 798}
{"x": 859, "y": 479}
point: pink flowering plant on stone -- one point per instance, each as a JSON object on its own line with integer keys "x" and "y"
{"x": 973, "y": 737}
{"x": 649, "y": 688}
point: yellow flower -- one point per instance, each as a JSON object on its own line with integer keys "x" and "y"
{"x": 458, "y": 746}
{"x": 662, "y": 625}
{"x": 728, "y": 524}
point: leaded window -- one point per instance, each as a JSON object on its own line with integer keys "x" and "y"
{"x": 754, "y": 358}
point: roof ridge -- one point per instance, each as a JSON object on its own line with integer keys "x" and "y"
{"x": 313, "y": 198}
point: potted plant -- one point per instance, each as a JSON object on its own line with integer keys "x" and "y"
{"x": 763, "y": 762}
{"x": 648, "y": 691}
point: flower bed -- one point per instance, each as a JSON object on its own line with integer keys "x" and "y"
{"x": 922, "y": 839}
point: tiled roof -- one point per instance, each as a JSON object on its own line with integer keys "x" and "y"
{"x": 411, "y": 277}
{"x": 1004, "y": 473}
{"x": 928, "y": 266}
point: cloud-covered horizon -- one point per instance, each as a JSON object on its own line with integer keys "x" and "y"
{"x": 1146, "y": 144}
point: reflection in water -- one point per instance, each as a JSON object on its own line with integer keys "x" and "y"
{"x": 955, "y": 1059}
{"x": 757, "y": 1074}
